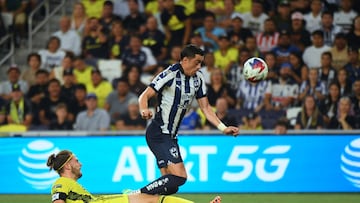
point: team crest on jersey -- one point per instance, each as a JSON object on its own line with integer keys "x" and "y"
{"x": 174, "y": 152}
{"x": 196, "y": 83}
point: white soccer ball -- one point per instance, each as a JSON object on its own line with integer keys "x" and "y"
{"x": 255, "y": 69}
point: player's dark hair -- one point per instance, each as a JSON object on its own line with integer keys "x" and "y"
{"x": 190, "y": 51}
{"x": 54, "y": 80}
{"x": 57, "y": 162}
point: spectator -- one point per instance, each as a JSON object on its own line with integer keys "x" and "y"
{"x": 353, "y": 66}
{"x": 210, "y": 32}
{"x": 284, "y": 47}
{"x": 273, "y": 68}
{"x": 189, "y": 6}
{"x": 345, "y": 118}
{"x": 326, "y": 72}
{"x": 313, "y": 86}
{"x": 37, "y": 92}
{"x": 100, "y": 87}
{"x": 131, "y": 120}
{"x": 69, "y": 38}
{"x": 18, "y": 110}
{"x": 345, "y": 15}
{"x": 299, "y": 36}
{"x": 58, "y": 72}
{"x": 222, "y": 112}
{"x": 328, "y": 106}
{"x": 93, "y": 8}
{"x": 309, "y": 117}
{"x": 254, "y": 20}
{"x": 282, "y": 18}
{"x": 218, "y": 88}
{"x": 68, "y": 87}
{"x": 154, "y": 8}
{"x": 355, "y": 98}
{"x": 34, "y": 63}
{"x": 353, "y": 36}
{"x": 154, "y": 39}
{"x": 95, "y": 41}
{"x": 237, "y": 32}
{"x": 49, "y": 102}
{"x": 17, "y": 12}
{"x": 251, "y": 96}
{"x": 209, "y": 66}
{"x": 2, "y": 112}
{"x": 137, "y": 55}
{"x": 344, "y": 82}
{"x": 300, "y": 71}
{"x": 176, "y": 23}
{"x": 281, "y": 126}
{"x": 133, "y": 77}
{"x": 251, "y": 122}
{"x": 198, "y": 17}
{"x": 118, "y": 100}
{"x": 312, "y": 54}
{"x": 13, "y": 74}
{"x": 224, "y": 19}
{"x": 174, "y": 55}
{"x": 79, "y": 18}
{"x": 283, "y": 91}
{"x": 118, "y": 40}
{"x": 215, "y": 6}
{"x": 121, "y": 7}
{"x": 235, "y": 74}
{"x": 93, "y": 118}
{"x": 329, "y": 28}
{"x": 313, "y": 18}
{"x": 196, "y": 40}
{"x": 250, "y": 44}
{"x": 266, "y": 40}
{"x": 108, "y": 17}
{"x": 78, "y": 102}
{"x": 61, "y": 122}
{"x": 226, "y": 56}
{"x": 134, "y": 23}
{"x": 82, "y": 71}
{"x": 339, "y": 51}
{"x": 52, "y": 56}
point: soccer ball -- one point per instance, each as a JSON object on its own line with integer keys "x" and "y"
{"x": 255, "y": 69}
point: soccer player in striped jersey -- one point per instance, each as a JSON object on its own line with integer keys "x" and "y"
{"x": 66, "y": 189}
{"x": 175, "y": 88}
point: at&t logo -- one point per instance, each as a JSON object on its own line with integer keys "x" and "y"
{"x": 32, "y": 164}
{"x": 350, "y": 162}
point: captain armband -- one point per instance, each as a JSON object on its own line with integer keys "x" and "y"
{"x": 58, "y": 196}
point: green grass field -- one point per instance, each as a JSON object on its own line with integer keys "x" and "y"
{"x": 226, "y": 198}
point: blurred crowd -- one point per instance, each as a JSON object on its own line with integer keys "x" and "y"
{"x": 310, "y": 46}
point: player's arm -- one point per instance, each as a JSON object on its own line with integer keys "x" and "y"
{"x": 211, "y": 116}
{"x": 143, "y": 102}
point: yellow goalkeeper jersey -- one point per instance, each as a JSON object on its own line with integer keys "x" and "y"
{"x": 71, "y": 191}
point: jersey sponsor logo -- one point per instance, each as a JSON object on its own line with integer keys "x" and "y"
{"x": 350, "y": 162}
{"x": 32, "y": 164}
{"x": 57, "y": 186}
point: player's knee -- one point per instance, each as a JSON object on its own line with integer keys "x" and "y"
{"x": 179, "y": 180}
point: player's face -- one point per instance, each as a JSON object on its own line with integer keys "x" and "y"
{"x": 75, "y": 167}
{"x": 192, "y": 65}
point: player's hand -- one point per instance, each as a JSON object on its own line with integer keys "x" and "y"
{"x": 146, "y": 114}
{"x": 231, "y": 130}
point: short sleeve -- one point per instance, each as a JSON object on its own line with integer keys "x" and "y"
{"x": 162, "y": 79}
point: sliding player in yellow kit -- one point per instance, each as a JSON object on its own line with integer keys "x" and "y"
{"x": 66, "y": 189}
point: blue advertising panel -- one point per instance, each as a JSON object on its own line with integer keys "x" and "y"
{"x": 214, "y": 163}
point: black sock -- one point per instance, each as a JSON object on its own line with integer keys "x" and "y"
{"x": 167, "y": 184}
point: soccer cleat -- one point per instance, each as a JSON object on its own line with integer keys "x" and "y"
{"x": 217, "y": 199}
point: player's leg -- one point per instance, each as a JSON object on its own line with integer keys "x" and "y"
{"x": 166, "y": 151}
